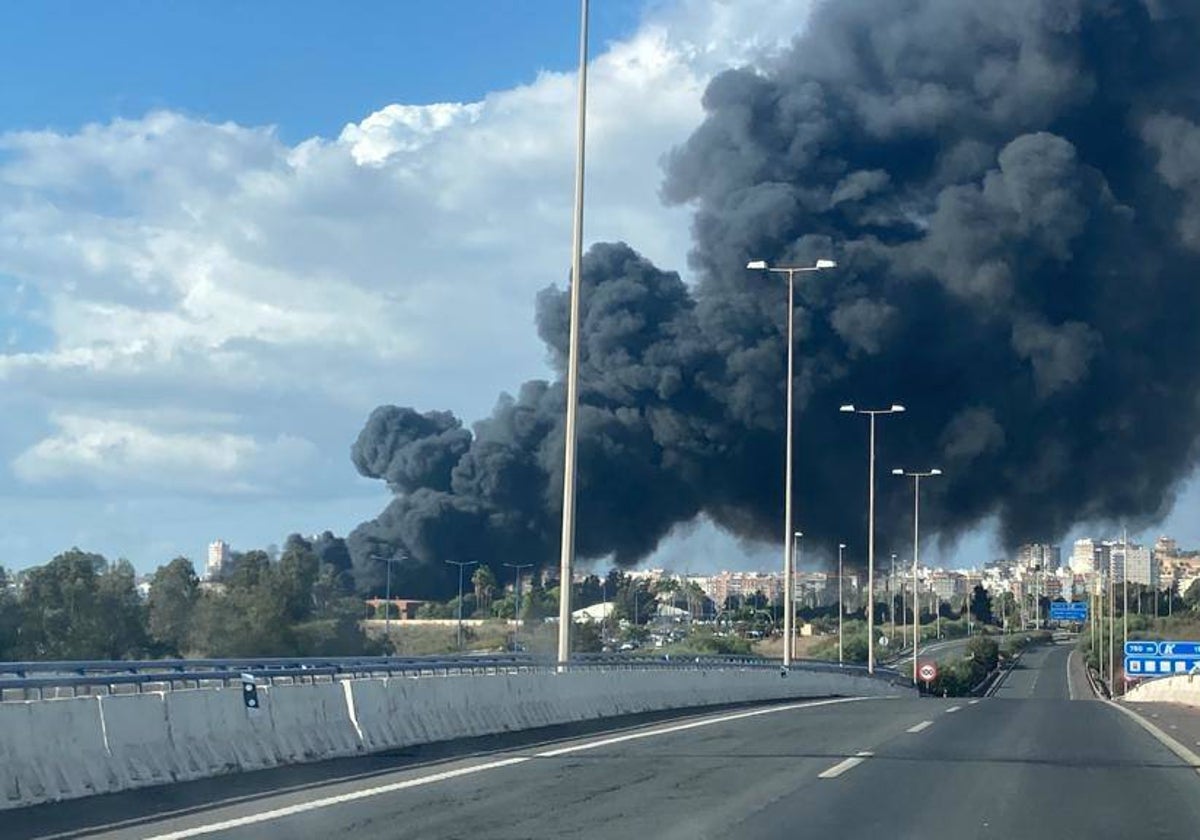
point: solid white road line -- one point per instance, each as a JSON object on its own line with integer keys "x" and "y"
{"x": 953, "y": 709}
{"x": 618, "y": 739}
{"x": 420, "y": 781}
{"x": 925, "y": 724}
{"x": 1163, "y": 738}
{"x": 844, "y": 765}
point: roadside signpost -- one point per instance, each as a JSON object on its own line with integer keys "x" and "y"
{"x": 928, "y": 673}
{"x": 1158, "y": 659}
{"x": 1069, "y": 611}
{"x": 250, "y": 692}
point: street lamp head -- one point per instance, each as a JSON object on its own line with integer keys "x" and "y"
{"x": 935, "y": 471}
{"x": 847, "y": 409}
{"x": 756, "y": 265}
{"x": 821, "y": 264}
{"x": 897, "y": 409}
{"x": 842, "y": 545}
{"x": 799, "y": 534}
{"x": 897, "y": 471}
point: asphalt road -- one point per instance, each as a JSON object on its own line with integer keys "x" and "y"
{"x": 1028, "y": 763}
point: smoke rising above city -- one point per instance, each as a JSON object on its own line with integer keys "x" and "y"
{"x": 1013, "y": 197}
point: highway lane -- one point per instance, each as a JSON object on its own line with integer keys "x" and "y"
{"x": 1028, "y": 763}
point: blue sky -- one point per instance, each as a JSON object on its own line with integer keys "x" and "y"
{"x": 308, "y": 67}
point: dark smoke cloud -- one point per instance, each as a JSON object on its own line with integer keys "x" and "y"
{"x": 1012, "y": 191}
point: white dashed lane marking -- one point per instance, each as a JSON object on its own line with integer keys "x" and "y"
{"x": 846, "y": 764}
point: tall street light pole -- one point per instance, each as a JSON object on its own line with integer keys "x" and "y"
{"x": 892, "y": 598}
{"x": 1112, "y": 628}
{"x": 791, "y": 272}
{"x": 387, "y": 612}
{"x": 916, "y": 476}
{"x": 517, "y": 567}
{"x": 1125, "y": 592}
{"x": 567, "y": 553}
{"x": 462, "y": 565}
{"x": 841, "y": 604}
{"x": 795, "y": 555}
{"x": 850, "y": 409}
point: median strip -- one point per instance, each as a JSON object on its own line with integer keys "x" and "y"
{"x": 845, "y": 764}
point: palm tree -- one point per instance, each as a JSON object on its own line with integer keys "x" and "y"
{"x": 485, "y": 588}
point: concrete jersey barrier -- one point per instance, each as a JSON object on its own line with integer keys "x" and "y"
{"x": 1174, "y": 689}
{"x": 67, "y": 748}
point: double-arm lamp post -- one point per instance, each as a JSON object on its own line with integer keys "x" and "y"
{"x": 916, "y": 476}
{"x": 871, "y": 413}
{"x": 788, "y": 582}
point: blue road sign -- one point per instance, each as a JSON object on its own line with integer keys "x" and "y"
{"x": 1163, "y": 650}
{"x": 1068, "y": 610}
{"x": 1141, "y": 649}
{"x": 1140, "y": 666}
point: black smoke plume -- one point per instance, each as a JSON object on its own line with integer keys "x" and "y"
{"x": 1012, "y": 192}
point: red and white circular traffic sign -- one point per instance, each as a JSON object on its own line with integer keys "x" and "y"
{"x": 928, "y": 671}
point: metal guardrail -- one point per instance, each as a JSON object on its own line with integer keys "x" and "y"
{"x": 112, "y": 677}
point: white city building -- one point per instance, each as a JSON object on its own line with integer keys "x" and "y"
{"x": 218, "y": 556}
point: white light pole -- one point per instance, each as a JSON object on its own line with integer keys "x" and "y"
{"x": 841, "y": 604}
{"x": 517, "y": 567}
{"x": 916, "y": 476}
{"x": 567, "y": 555}
{"x": 1124, "y": 596}
{"x": 892, "y": 598}
{"x": 791, "y": 272}
{"x": 795, "y": 554}
{"x": 462, "y": 565}
{"x": 850, "y": 409}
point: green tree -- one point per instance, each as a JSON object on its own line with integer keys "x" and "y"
{"x": 635, "y": 601}
{"x": 294, "y": 576}
{"x": 586, "y": 637}
{"x": 121, "y": 613}
{"x": 1191, "y": 598}
{"x": 244, "y": 621}
{"x": 78, "y": 607}
{"x": 171, "y": 605}
{"x": 587, "y": 592}
{"x": 981, "y": 604}
{"x": 484, "y": 581}
{"x": 984, "y": 652}
{"x": 254, "y": 616}
{"x": 10, "y": 618}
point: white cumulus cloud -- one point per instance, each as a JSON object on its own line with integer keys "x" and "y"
{"x": 192, "y": 266}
